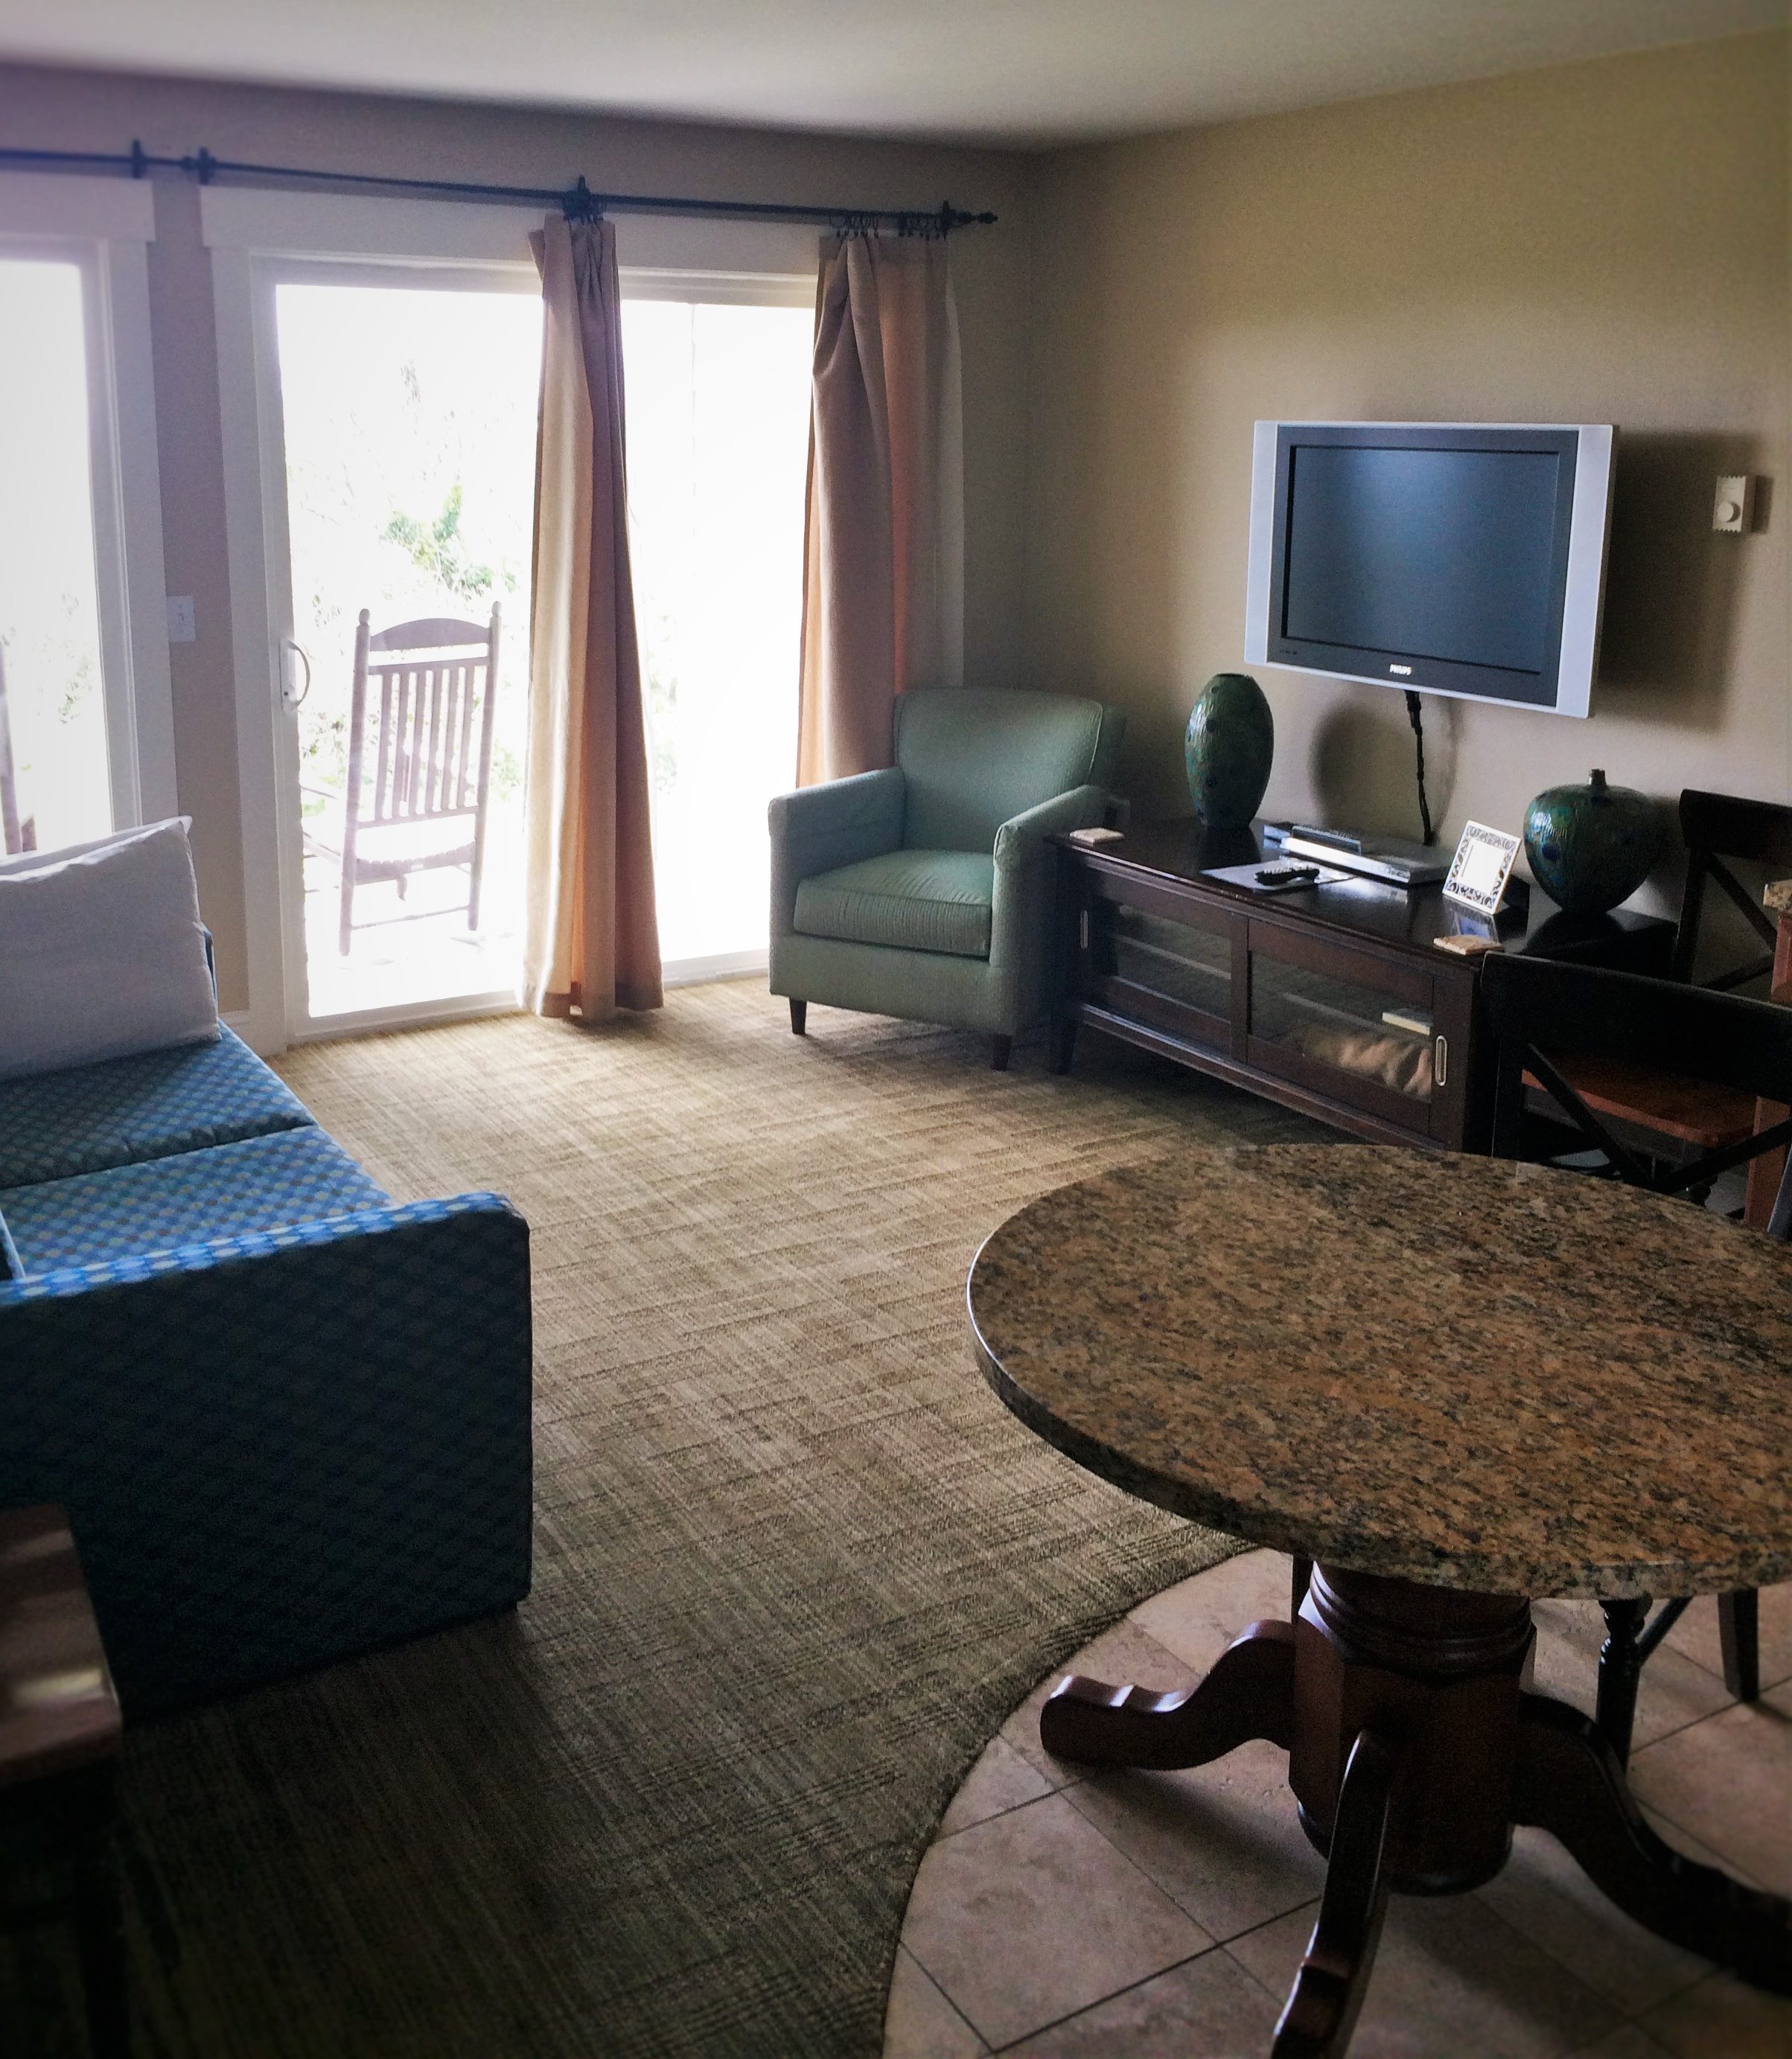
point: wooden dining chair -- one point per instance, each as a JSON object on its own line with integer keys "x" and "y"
{"x": 1720, "y": 830}
{"x": 1697, "y": 1117}
{"x": 1547, "y": 1017}
{"x": 420, "y": 751}
{"x": 16, "y": 834}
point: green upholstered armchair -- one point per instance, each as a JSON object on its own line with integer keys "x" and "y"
{"x": 926, "y": 891}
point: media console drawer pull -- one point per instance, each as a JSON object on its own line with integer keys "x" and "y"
{"x": 1440, "y": 1067}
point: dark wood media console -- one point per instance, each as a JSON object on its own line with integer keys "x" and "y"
{"x": 1334, "y": 1000}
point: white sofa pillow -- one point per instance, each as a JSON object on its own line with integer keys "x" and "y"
{"x": 102, "y": 952}
{"x": 36, "y": 861}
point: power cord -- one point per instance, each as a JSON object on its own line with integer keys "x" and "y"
{"x": 1415, "y": 716}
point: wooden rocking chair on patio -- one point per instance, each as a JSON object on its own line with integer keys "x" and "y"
{"x": 419, "y": 750}
{"x": 15, "y": 835}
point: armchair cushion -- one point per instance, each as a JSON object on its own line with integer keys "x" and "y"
{"x": 912, "y": 900}
{"x": 299, "y": 1176}
{"x": 816, "y": 829}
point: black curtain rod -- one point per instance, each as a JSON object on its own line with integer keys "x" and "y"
{"x": 578, "y": 201}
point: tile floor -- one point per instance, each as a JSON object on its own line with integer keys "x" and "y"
{"x": 1058, "y": 1915}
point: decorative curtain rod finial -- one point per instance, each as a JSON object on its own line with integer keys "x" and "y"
{"x": 581, "y": 204}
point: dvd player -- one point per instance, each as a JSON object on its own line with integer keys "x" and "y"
{"x": 1387, "y": 859}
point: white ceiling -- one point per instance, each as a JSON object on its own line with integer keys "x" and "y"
{"x": 1026, "y": 72}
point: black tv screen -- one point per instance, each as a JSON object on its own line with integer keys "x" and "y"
{"x": 1439, "y": 557}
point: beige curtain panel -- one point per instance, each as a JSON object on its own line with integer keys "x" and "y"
{"x": 591, "y": 942}
{"x": 883, "y": 594}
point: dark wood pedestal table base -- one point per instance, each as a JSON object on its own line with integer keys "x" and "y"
{"x": 1457, "y": 1384}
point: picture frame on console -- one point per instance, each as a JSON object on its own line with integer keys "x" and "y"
{"x": 1480, "y": 869}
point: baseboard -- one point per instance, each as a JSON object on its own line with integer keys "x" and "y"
{"x": 680, "y": 972}
{"x": 241, "y": 1023}
{"x": 410, "y": 1015}
{"x": 726, "y": 964}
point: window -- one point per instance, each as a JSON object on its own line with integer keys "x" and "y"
{"x": 86, "y": 745}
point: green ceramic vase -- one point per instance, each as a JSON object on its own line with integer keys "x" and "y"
{"x": 1591, "y": 846}
{"x": 1227, "y": 750}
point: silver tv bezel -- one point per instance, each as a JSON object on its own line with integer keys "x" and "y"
{"x": 1583, "y": 594}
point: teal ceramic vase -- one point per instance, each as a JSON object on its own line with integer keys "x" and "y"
{"x": 1591, "y": 846}
{"x": 1227, "y": 750}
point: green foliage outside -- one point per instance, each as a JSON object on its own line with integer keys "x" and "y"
{"x": 434, "y": 549}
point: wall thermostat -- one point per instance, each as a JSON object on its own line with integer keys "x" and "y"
{"x": 1733, "y": 512}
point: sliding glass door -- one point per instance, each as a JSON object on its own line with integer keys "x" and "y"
{"x": 379, "y": 411}
{"x": 718, "y": 416}
{"x": 406, "y": 448}
{"x": 405, "y": 459}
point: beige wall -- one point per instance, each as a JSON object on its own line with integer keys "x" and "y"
{"x": 1598, "y": 242}
{"x": 70, "y": 110}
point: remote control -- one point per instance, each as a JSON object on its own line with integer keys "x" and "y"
{"x": 1285, "y": 875}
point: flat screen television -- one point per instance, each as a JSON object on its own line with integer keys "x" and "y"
{"x": 1456, "y": 558}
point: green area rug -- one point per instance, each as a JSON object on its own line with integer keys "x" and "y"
{"x": 794, "y": 1563}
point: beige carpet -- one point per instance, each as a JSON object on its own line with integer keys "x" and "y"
{"x": 793, "y": 1562}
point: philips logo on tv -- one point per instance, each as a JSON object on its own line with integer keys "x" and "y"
{"x": 1405, "y": 672}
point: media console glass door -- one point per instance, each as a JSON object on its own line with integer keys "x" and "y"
{"x": 1151, "y": 955}
{"x": 1354, "y": 1025}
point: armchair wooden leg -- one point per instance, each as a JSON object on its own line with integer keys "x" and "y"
{"x": 999, "y": 1057}
{"x": 799, "y": 1018}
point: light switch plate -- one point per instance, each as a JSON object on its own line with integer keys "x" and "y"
{"x": 181, "y": 624}
{"x": 1733, "y": 511}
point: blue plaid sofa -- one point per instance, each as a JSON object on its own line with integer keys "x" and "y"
{"x": 288, "y": 1418}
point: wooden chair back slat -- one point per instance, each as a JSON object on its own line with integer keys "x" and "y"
{"x": 419, "y": 677}
{"x": 431, "y": 765}
{"x": 401, "y": 746}
{"x": 463, "y": 786}
{"x": 383, "y": 765}
{"x": 451, "y": 704}
{"x": 441, "y": 730}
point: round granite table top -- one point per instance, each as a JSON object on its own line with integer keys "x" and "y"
{"x": 1450, "y": 1369}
